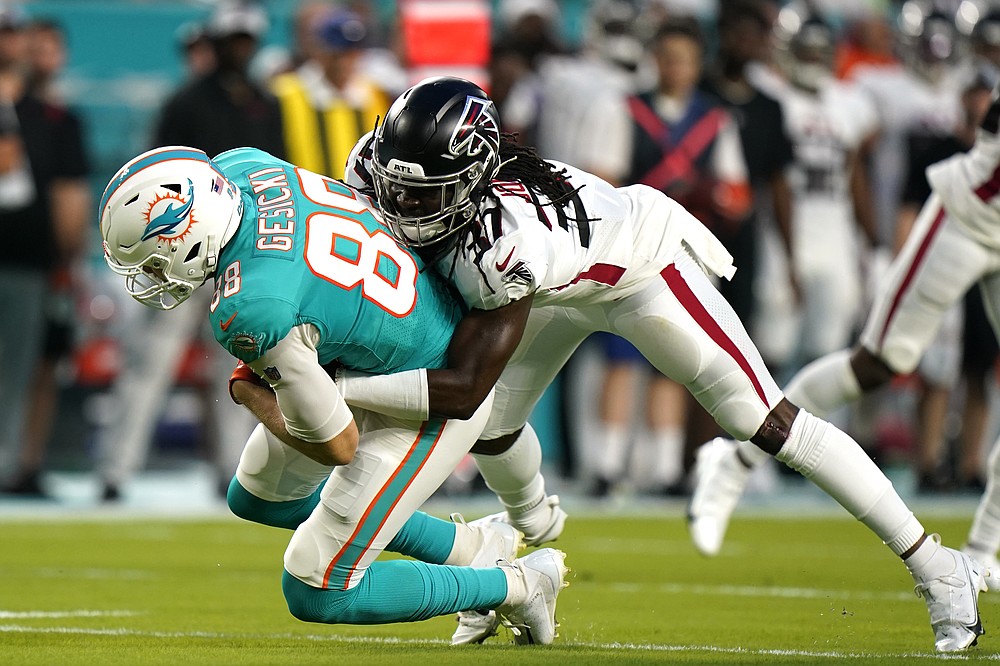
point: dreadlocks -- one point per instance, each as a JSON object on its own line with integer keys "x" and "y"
{"x": 522, "y": 163}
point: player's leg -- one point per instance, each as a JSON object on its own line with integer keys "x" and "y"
{"x": 932, "y": 271}
{"x": 276, "y": 485}
{"x": 691, "y": 334}
{"x": 508, "y": 454}
{"x": 983, "y": 540}
{"x": 331, "y": 574}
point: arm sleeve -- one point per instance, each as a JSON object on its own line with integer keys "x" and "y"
{"x": 311, "y": 404}
{"x": 403, "y": 395}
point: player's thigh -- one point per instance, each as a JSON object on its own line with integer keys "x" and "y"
{"x": 398, "y": 465}
{"x": 691, "y": 334}
{"x": 275, "y": 472}
{"x": 936, "y": 266}
{"x": 550, "y": 337}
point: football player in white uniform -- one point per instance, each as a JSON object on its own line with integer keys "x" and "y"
{"x": 544, "y": 254}
{"x": 954, "y": 245}
{"x": 828, "y": 122}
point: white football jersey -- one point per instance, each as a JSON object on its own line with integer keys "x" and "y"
{"x": 969, "y": 185}
{"x": 607, "y": 242}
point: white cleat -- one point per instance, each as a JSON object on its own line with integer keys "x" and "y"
{"x": 540, "y": 524}
{"x": 719, "y": 479}
{"x": 953, "y": 604}
{"x": 500, "y": 542}
{"x": 533, "y": 619}
{"x": 990, "y": 564}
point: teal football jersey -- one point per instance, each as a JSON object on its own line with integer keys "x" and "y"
{"x": 309, "y": 250}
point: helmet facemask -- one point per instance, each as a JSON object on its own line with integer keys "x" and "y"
{"x": 433, "y": 160}
{"x": 155, "y": 282}
{"x": 448, "y": 203}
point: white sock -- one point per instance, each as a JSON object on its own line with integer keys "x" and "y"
{"x": 613, "y": 452}
{"x": 467, "y": 544}
{"x": 984, "y": 535}
{"x": 825, "y": 384}
{"x": 834, "y": 462}
{"x": 515, "y": 475}
{"x": 930, "y": 560}
{"x": 668, "y": 452}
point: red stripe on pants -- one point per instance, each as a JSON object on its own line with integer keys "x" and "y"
{"x": 910, "y": 273}
{"x": 688, "y": 299}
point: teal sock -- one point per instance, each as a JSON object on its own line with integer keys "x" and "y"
{"x": 424, "y": 538}
{"x": 288, "y": 515}
{"x": 398, "y": 591}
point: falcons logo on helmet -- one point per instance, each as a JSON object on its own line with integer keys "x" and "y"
{"x": 476, "y": 129}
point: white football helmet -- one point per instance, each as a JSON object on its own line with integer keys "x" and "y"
{"x": 164, "y": 218}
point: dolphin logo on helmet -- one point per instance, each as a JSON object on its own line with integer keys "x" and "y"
{"x": 165, "y": 224}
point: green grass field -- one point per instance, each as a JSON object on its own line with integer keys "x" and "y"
{"x": 788, "y": 591}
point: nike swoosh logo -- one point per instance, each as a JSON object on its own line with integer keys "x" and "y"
{"x": 224, "y": 325}
{"x": 501, "y": 267}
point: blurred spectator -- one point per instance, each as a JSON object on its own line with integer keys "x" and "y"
{"x": 45, "y": 204}
{"x": 222, "y": 109}
{"x": 868, "y": 42}
{"x": 984, "y": 41}
{"x": 527, "y": 33}
{"x": 744, "y": 33}
{"x": 573, "y": 108}
{"x": 686, "y": 145}
{"x": 328, "y": 103}
{"x": 196, "y": 49}
{"x": 926, "y": 78}
{"x": 830, "y": 124}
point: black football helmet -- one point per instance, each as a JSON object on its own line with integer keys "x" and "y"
{"x": 434, "y": 157}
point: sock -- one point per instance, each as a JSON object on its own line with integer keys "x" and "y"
{"x": 613, "y": 452}
{"x": 288, "y": 514}
{"x": 668, "y": 453}
{"x": 398, "y": 591}
{"x": 825, "y": 384}
{"x": 425, "y": 538}
{"x": 930, "y": 560}
{"x": 833, "y": 461}
{"x": 984, "y": 535}
{"x": 515, "y": 475}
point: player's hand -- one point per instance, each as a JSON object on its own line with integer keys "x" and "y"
{"x": 243, "y": 373}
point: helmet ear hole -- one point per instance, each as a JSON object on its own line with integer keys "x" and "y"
{"x": 193, "y": 252}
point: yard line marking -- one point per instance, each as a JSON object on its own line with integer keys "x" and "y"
{"x": 748, "y": 591}
{"x": 32, "y": 615}
{"x": 772, "y": 652}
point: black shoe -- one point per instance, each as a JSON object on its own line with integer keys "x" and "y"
{"x": 26, "y": 484}
{"x": 975, "y": 485}
{"x": 931, "y": 482}
{"x": 111, "y": 493}
{"x": 601, "y": 488}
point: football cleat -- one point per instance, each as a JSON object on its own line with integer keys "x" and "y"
{"x": 540, "y": 524}
{"x": 989, "y": 562}
{"x": 542, "y": 575}
{"x": 719, "y": 480}
{"x": 500, "y": 542}
{"x": 953, "y": 604}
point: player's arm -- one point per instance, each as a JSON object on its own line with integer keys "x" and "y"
{"x": 480, "y": 348}
{"x": 299, "y": 403}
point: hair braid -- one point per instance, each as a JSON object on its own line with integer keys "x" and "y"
{"x": 522, "y": 163}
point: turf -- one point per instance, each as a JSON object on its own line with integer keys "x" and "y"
{"x": 783, "y": 591}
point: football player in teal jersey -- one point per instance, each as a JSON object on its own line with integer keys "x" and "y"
{"x": 307, "y": 278}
